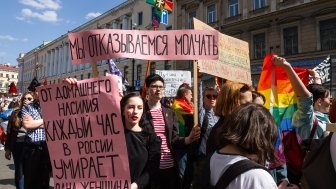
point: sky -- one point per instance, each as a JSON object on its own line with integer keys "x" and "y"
{"x": 25, "y": 24}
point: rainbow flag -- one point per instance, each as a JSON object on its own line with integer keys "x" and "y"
{"x": 167, "y": 4}
{"x": 181, "y": 107}
{"x": 281, "y": 100}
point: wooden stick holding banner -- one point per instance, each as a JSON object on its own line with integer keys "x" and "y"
{"x": 195, "y": 92}
{"x": 95, "y": 72}
{"x": 331, "y": 127}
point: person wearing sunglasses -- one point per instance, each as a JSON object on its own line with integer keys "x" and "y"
{"x": 37, "y": 166}
{"x": 206, "y": 103}
{"x": 16, "y": 138}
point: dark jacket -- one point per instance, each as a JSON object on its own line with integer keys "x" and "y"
{"x": 171, "y": 127}
{"x": 211, "y": 145}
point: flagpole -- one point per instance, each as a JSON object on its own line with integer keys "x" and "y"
{"x": 95, "y": 72}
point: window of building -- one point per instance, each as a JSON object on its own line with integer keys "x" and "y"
{"x": 7, "y": 75}
{"x": 190, "y": 19}
{"x": 1, "y": 75}
{"x": 125, "y": 72}
{"x": 167, "y": 65}
{"x": 259, "y": 45}
{"x": 120, "y": 26}
{"x": 257, "y": 4}
{"x": 138, "y": 72}
{"x": 290, "y": 37}
{"x": 140, "y": 15}
{"x": 328, "y": 34}
{"x": 81, "y": 76}
{"x": 211, "y": 10}
{"x": 233, "y": 8}
{"x": 89, "y": 75}
{"x": 152, "y": 68}
{"x": 12, "y": 76}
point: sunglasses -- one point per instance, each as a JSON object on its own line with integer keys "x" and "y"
{"x": 29, "y": 98}
{"x": 211, "y": 96}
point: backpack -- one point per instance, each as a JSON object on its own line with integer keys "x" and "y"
{"x": 294, "y": 153}
{"x": 235, "y": 170}
{"x": 318, "y": 169}
{"x": 229, "y": 175}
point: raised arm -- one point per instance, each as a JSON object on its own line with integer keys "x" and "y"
{"x": 299, "y": 88}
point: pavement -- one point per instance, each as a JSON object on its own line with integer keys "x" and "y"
{"x": 7, "y": 173}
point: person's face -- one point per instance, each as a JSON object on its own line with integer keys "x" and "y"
{"x": 156, "y": 91}
{"x": 133, "y": 111}
{"x": 27, "y": 99}
{"x": 259, "y": 100}
{"x": 324, "y": 104}
{"x": 245, "y": 97}
{"x": 188, "y": 96}
{"x": 210, "y": 98}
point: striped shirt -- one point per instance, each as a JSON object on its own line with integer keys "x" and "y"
{"x": 166, "y": 160}
{"x": 38, "y": 134}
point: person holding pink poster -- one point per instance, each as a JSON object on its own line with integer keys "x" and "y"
{"x": 143, "y": 145}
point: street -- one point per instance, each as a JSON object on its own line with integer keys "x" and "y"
{"x": 7, "y": 173}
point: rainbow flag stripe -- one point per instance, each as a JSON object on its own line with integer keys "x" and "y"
{"x": 280, "y": 97}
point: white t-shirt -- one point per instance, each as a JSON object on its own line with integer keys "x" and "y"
{"x": 333, "y": 149}
{"x": 254, "y": 178}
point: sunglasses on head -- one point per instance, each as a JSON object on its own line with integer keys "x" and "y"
{"x": 211, "y": 96}
{"x": 29, "y": 98}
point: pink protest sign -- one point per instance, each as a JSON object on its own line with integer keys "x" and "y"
{"x": 85, "y": 135}
{"x": 103, "y": 44}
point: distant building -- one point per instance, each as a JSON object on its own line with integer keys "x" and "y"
{"x": 51, "y": 62}
{"x": 302, "y": 31}
{"x": 8, "y": 74}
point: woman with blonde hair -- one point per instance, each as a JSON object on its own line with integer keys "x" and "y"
{"x": 231, "y": 96}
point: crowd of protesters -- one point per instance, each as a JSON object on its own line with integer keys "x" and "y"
{"x": 230, "y": 147}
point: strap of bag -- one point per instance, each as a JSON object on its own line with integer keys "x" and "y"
{"x": 314, "y": 128}
{"x": 235, "y": 170}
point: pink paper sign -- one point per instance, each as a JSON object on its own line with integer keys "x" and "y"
{"x": 85, "y": 135}
{"x": 103, "y": 44}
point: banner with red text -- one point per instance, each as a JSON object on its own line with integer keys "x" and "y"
{"x": 85, "y": 135}
{"x": 103, "y": 44}
{"x": 233, "y": 62}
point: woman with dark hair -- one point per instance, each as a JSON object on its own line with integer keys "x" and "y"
{"x": 143, "y": 145}
{"x": 16, "y": 137}
{"x": 249, "y": 133}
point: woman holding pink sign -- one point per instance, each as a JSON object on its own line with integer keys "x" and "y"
{"x": 143, "y": 145}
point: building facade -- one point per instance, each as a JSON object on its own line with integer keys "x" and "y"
{"x": 51, "y": 61}
{"x": 302, "y": 31}
{"x": 8, "y": 74}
